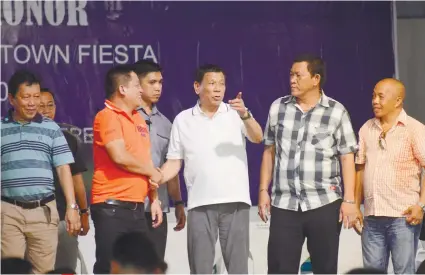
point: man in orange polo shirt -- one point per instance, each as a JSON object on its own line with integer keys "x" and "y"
{"x": 122, "y": 167}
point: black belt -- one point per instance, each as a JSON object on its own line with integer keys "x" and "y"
{"x": 29, "y": 204}
{"x": 125, "y": 204}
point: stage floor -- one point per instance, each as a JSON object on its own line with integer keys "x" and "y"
{"x": 350, "y": 255}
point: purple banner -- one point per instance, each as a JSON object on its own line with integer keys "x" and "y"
{"x": 71, "y": 45}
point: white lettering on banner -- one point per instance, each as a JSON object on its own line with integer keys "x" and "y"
{"x": 14, "y": 12}
{"x": 97, "y": 54}
{"x": 87, "y": 133}
{"x": 3, "y": 91}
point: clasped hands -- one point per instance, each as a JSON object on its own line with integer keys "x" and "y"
{"x": 156, "y": 179}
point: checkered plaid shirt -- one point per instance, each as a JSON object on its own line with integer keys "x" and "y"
{"x": 308, "y": 146}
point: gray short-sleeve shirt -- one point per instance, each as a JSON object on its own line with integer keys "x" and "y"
{"x": 159, "y": 131}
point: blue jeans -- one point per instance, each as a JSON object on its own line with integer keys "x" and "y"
{"x": 384, "y": 235}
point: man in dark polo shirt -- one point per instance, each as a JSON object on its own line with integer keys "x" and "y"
{"x": 31, "y": 145}
{"x": 150, "y": 77}
{"x": 67, "y": 252}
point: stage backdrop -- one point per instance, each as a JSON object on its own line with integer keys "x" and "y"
{"x": 71, "y": 45}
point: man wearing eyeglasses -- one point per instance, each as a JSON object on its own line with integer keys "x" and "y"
{"x": 389, "y": 162}
{"x": 159, "y": 126}
{"x": 67, "y": 251}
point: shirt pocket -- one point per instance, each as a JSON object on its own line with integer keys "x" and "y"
{"x": 321, "y": 138}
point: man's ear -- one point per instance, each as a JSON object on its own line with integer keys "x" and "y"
{"x": 11, "y": 99}
{"x": 197, "y": 87}
{"x": 122, "y": 90}
{"x": 317, "y": 78}
{"x": 399, "y": 101}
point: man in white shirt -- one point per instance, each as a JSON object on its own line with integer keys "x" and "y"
{"x": 210, "y": 138}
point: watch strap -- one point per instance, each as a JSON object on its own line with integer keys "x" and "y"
{"x": 179, "y": 202}
{"x": 248, "y": 115}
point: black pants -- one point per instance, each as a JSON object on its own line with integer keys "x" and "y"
{"x": 109, "y": 223}
{"x": 289, "y": 229}
{"x": 158, "y": 235}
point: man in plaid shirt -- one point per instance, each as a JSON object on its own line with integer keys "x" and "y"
{"x": 306, "y": 135}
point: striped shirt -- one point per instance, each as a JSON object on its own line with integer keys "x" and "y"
{"x": 308, "y": 144}
{"x": 392, "y": 172}
{"x": 28, "y": 153}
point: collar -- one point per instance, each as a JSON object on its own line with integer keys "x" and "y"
{"x": 154, "y": 110}
{"x": 110, "y": 105}
{"x": 402, "y": 118}
{"x": 324, "y": 100}
{"x": 9, "y": 117}
{"x": 196, "y": 110}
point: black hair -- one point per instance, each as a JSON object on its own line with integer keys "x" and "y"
{"x": 116, "y": 76}
{"x": 207, "y": 68}
{"x": 144, "y": 67}
{"x": 315, "y": 65}
{"x": 15, "y": 266}
{"x": 47, "y": 90}
{"x": 19, "y": 78}
{"x": 134, "y": 250}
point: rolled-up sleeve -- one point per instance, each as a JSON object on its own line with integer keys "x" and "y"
{"x": 346, "y": 141}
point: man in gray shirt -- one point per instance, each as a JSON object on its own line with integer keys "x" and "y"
{"x": 150, "y": 77}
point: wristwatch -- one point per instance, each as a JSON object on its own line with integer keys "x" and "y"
{"x": 248, "y": 115}
{"x": 74, "y": 206}
{"x": 85, "y": 211}
{"x": 178, "y": 203}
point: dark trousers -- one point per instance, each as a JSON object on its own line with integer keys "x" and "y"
{"x": 289, "y": 229}
{"x": 109, "y": 223}
{"x": 158, "y": 235}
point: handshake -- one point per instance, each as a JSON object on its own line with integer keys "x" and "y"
{"x": 156, "y": 179}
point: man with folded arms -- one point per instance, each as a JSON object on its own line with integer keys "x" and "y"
{"x": 391, "y": 155}
{"x": 122, "y": 166}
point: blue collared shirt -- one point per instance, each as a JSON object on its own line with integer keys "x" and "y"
{"x": 159, "y": 131}
{"x": 28, "y": 154}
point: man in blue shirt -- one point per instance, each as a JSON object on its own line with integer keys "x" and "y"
{"x": 30, "y": 146}
{"x": 150, "y": 77}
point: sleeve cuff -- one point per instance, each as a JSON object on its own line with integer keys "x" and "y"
{"x": 268, "y": 142}
{"x": 348, "y": 150}
{"x": 174, "y": 156}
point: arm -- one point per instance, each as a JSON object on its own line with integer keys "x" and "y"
{"x": 254, "y": 133}
{"x": 358, "y": 193}
{"x": 170, "y": 169}
{"x": 65, "y": 179}
{"x": 175, "y": 154}
{"x": 173, "y": 188}
{"x": 108, "y": 133}
{"x": 419, "y": 153}
{"x": 346, "y": 143}
{"x": 80, "y": 190}
{"x": 267, "y": 165}
{"x": 120, "y": 156}
{"x": 349, "y": 175}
